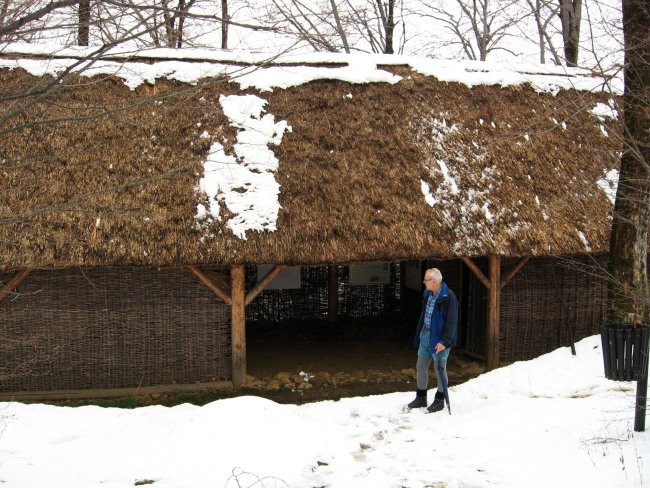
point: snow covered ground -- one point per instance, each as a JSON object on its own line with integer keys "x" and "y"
{"x": 551, "y": 422}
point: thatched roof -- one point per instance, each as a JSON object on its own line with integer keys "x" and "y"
{"x": 101, "y": 174}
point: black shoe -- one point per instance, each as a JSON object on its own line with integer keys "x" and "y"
{"x": 438, "y": 403}
{"x": 420, "y": 400}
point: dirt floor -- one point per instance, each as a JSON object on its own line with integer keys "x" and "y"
{"x": 303, "y": 371}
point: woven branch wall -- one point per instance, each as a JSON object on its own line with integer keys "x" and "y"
{"x": 474, "y": 309}
{"x": 551, "y": 303}
{"x": 110, "y": 328}
{"x": 548, "y": 304}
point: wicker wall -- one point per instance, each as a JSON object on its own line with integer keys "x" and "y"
{"x": 112, "y": 327}
{"x": 548, "y": 304}
{"x": 551, "y": 303}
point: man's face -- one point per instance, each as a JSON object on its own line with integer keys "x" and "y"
{"x": 431, "y": 284}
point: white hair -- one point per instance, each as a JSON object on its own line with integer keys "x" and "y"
{"x": 434, "y": 273}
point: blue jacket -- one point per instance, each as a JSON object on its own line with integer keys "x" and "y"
{"x": 444, "y": 319}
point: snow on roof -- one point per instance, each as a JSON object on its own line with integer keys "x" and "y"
{"x": 266, "y": 71}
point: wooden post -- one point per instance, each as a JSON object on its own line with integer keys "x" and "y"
{"x": 238, "y": 325}
{"x": 641, "y": 401}
{"x": 333, "y": 293}
{"x": 494, "y": 292}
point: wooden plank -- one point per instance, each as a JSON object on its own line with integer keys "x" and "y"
{"x": 111, "y": 392}
{"x": 506, "y": 279}
{"x": 14, "y": 283}
{"x": 333, "y": 293}
{"x": 203, "y": 278}
{"x": 477, "y": 272}
{"x": 238, "y": 325}
{"x": 257, "y": 289}
{"x": 494, "y": 313}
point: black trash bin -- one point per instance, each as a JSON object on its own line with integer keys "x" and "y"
{"x": 625, "y": 351}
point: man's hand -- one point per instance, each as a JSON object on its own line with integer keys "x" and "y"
{"x": 440, "y": 347}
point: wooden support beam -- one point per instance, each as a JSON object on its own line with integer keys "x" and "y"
{"x": 333, "y": 293}
{"x": 238, "y": 325}
{"x": 14, "y": 283}
{"x": 506, "y": 279}
{"x": 257, "y": 289}
{"x": 203, "y": 278}
{"x": 494, "y": 310}
{"x": 477, "y": 272}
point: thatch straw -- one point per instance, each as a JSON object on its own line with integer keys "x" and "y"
{"x": 114, "y": 181}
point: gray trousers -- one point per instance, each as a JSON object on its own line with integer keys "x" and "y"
{"x": 422, "y": 372}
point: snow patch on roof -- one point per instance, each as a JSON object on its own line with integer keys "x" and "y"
{"x": 449, "y": 180}
{"x": 584, "y": 240}
{"x": 426, "y": 191}
{"x": 245, "y": 184}
{"x": 603, "y": 111}
{"x": 609, "y": 184}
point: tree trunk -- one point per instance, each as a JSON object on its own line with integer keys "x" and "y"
{"x": 571, "y": 14}
{"x": 182, "y": 13}
{"x": 224, "y": 24}
{"x": 629, "y": 293}
{"x": 390, "y": 27}
{"x": 83, "y": 33}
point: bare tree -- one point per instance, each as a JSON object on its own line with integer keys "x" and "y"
{"x": 161, "y": 23}
{"x": 84, "y": 23}
{"x": 313, "y": 23}
{"x": 165, "y": 21}
{"x": 477, "y": 26}
{"x": 32, "y": 20}
{"x": 338, "y": 25}
{"x": 544, "y": 12}
{"x": 571, "y": 16}
{"x": 375, "y": 22}
{"x": 224, "y": 24}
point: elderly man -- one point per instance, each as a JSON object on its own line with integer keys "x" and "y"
{"x": 435, "y": 336}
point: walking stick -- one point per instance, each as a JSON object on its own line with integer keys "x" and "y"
{"x": 443, "y": 379}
